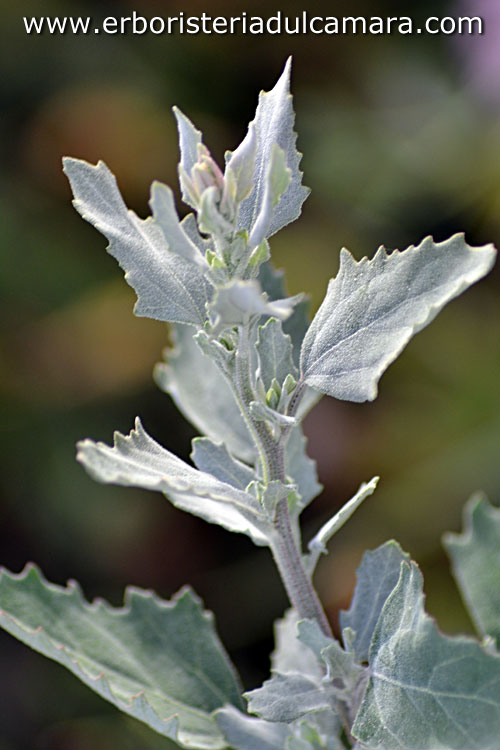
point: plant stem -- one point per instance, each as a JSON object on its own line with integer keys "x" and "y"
{"x": 287, "y": 555}
{"x": 288, "y": 559}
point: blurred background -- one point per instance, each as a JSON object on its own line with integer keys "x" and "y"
{"x": 401, "y": 139}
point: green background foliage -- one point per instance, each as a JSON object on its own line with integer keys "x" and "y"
{"x": 400, "y": 137}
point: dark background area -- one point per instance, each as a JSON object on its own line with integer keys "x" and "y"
{"x": 401, "y": 139}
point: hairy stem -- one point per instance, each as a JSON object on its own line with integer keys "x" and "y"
{"x": 298, "y": 585}
{"x": 286, "y": 553}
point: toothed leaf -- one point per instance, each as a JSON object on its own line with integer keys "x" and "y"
{"x": 426, "y": 691}
{"x": 373, "y": 308}
{"x": 139, "y": 461}
{"x": 140, "y": 657}
{"x": 273, "y": 124}
{"x": 168, "y": 286}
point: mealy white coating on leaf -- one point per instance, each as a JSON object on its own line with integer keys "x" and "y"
{"x": 273, "y": 124}
{"x": 275, "y": 351}
{"x": 215, "y": 459}
{"x": 202, "y": 394}
{"x": 139, "y": 461}
{"x": 475, "y": 555}
{"x": 277, "y": 179}
{"x": 168, "y": 286}
{"x": 376, "y": 578}
{"x": 165, "y": 215}
{"x": 287, "y": 697}
{"x": 139, "y": 657}
{"x": 373, "y": 307}
{"x": 426, "y": 691}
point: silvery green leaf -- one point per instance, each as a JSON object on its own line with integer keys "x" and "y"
{"x": 168, "y": 286}
{"x": 300, "y": 468}
{"x": 426, "y": 691}
{"x": 475, "y": 555}
{"x": 214, "y": 459}
{"x": 165, "y": 215}
{"x": 277, "y": 179}
{"x": 318, "y": 544}
{"x": 373, "y": 308}
{"x": 139, "y": 461}
{"x": 241, "y": 163}
{"x": 286, "y": 697}
{"x": 205, "y": 400}
{"x": 273, "y": 124}
{"x": 244, "y": 732}
{"x": 275, "y": 353}
{"x": 290, "y": 654}
{"x": 238, "y": 301}
{"x": 139, "y": 657}
{"x": 376, "y": 577}
{"x": 189, "y": 140}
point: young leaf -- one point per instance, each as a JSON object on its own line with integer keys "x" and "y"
{"x": 275, "y": 353}
{"x": 273, "y": 124}
{"x": 214, "y": 459}
{"x": 248, "y": 733}
{"x": 342, "y": 670}
{"x": 476, "y": 564}
{"x": 168, "y": 286}
{"x": 139, "y": 657}
{"x": 189, "y": 140}
{"x": 373, "y": 307}
{"x": 139, "y": 461}
{"x": 376, "y": 577}
{"x": 165, "y": 215}
{"x": 236, "y": 302}
{"x": 241, "y": 163}
{"x": 426, "y": 691}
{"x": 286, "y": 697}
{"x": 203, "y": 395}
{"x": 317, "y": 545}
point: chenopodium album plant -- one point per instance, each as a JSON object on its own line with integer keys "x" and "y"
{"x": 245, "y": 369}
